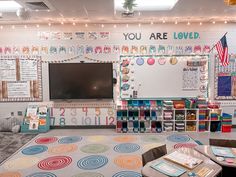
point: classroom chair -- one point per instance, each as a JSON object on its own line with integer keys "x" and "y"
{"x": 153, "y": 154}
{"x": 223, "y": 143}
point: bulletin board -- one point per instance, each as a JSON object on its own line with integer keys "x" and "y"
{"x": 20, "y": 78}
{"x": 225, "y": 79}
{"x": 163, "y": 76}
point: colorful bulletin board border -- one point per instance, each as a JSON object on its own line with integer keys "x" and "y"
{"x": 21, "y": 78}
{"x": 225, "y": 79}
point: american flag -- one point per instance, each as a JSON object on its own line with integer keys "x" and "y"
{"x": 222, "y": 49}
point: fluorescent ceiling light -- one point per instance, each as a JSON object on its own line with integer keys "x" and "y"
{"x": 9, "y": 6}
{"x": 148, "y": 5}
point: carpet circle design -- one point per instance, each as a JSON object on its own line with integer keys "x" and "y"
{"x": 54, "y": 163}
{"x": 69, "y": 139}
{"x": 185, "y": 145}
{"x": 126, "y": 148}
{"x": 21, "y": 163}
{"x": 63, "y": 148}
{"x": 125, "y": 139}
{"x": 89, "y": 174}
{"x": 46, "y": 140}
{"x": 178, "y": 138}
{"x": 10, "y": 174}
{"x": 149, "y": 146}
{"x": 42, "y": 174}
{"x": 94, "y": 148}
{"x": 151, "y": 138}
{"x": 96, "y": 138}
{"x": 127, "y": 174}
{"x": 36, "y": 149}
{"x": 92, "y": 162}
{"x": 128, "y": 161}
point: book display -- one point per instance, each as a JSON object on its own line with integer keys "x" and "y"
{"x": 36, "y": 120}
{"x": 167, "y": 115}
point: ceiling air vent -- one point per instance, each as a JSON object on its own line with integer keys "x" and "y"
{"x": 37, "y": 6}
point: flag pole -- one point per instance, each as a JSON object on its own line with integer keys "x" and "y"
{"x": 215, "y": 44}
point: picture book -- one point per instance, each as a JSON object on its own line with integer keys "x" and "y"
{"x": 222, "y": 152}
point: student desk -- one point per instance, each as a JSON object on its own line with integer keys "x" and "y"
{"x": 227, "y": 168}
{"x": 148, "y": 171}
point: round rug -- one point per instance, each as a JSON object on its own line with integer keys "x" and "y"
{"x": 185, "y": 145}
{"x": 89, "y": 174}
{"x": 128, "y": 161}
{"x": 55, "y": 162}
{"x": 127, "y": 174}
{"x": 178, "y": 138}
{"x": 42, "y": 174}
{"x": 126, "y": 148}
{"x": 36, "y": 149}
{"x": 94, "y": 148}
{"x": 96, "y": 138}
{"x": 21, "y": 163}
{"x": 63, "y": 148}
{"x": 92, "y": 162}
{"x": 10, "y": 174}
{"x": 46, "y": 140}
{"x": 124, "y": 139}
{"x": 147, "y": 147}
{"x": 151, "y": 138}
{"x": 69, "y": 139}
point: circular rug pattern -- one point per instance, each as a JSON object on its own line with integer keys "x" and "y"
{"x": 63, "y": 148}
{"x": 96, "y": 138}
{"x": 46, "y": 140}
{"x": 126, "y": 148}
{"x": 42, "y": 174}
{"x": 92, "y": 162}
{"x": 128, "y": 161}
{"x": 127, "y": 174}
{"x": 10, "y": 174}
{"x": 36, "y": 149}
{"x": 21, "y": 163}
{"x": 185, "y": 145}
{"x": 149, "y": 146}
{"x": 89, "y": 174}
{"x": 151, "y": 138}
{"x": 94, "y": 148}
{"x": 125, "y": 139}
{"x": 69, "y": 139}
{"x": 54, "y": 163}
{"x": 178, "y": 138}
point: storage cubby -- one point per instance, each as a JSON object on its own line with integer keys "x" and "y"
{"x": 158, "y": 115}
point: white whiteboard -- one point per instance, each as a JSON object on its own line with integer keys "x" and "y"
{"x": 163, "y": 76}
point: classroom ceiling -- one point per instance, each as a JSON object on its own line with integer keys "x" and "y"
{"x": 102, "y": 11}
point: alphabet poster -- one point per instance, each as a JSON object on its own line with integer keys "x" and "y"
{"x": 20, "y": 80}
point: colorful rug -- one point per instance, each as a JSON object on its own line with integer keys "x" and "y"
{"x": 87, "y": 156}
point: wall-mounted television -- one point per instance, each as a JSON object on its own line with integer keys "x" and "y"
{"x": 80, "y": 81}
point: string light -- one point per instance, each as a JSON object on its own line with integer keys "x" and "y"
{"x": 102, "y": 26}
{"x": 127, "y": 25}
{"x": 139, "y": 13}
{"x": 225, "y": 22}
{"x": 188, "y": 23}
{"x": 49, "y": 24}
{"x": 213, "y": 22}
{"x": 163, "y": 21}
{"x": 73, "y": 23}
{"x": 139, "y": 25}
{"x": 114, "y": 26}
{"x": 62, "y": 23}
{"x": 151, "y": 22}
{"x": 200, "y": 23}
{"x": 13, "y": 26}
{"x": 37, "y": 25}
{"x": 1, "y": 27}
{"x": 25, "y": 26}
{"x": 86, "y": 25}
{"x": 176, "y": 22}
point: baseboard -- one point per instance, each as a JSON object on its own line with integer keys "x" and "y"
{"x": 84, "y": 127}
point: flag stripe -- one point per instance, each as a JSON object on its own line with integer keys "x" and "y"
{"x": 222, "y": 49}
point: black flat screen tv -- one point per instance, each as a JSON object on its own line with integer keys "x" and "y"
{"x": 80, "y": 81}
